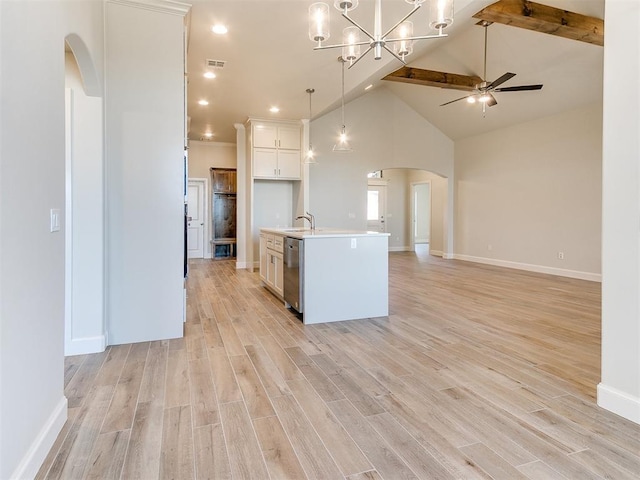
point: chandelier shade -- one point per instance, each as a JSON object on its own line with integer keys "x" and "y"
{"x": 441, "y": 14}
{"x": 351, "y": 38}
{"x": 319, "y": 22}
{"x": 398, "y": 40}
{"x": 404, "y": 47}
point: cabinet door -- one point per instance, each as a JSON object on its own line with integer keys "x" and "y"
{"x": 224, "y": 181}
{"x": 278, "y": 279}
{"x": 263, "y": 258}
{"x": 289, "y": 138}
{"x": 289, "y": 164}
{"x": 265, "y": 136}
{"x": 265, "y": 163}
{"x": 271, "y": 269}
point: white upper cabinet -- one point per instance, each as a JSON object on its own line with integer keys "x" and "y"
{"x": 275, "y": 150}
{"x": 289, "y": 138}
{"x": 267, "y": 135}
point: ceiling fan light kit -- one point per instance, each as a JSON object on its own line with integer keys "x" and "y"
{"x": 398, "y": 40}
{"x": 483, "y": 91}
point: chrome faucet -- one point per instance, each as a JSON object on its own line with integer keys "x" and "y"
{"x": 311, "y": 218}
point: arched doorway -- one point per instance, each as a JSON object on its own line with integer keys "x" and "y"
{"x": 409, "y": 223}
{"x": 84, "y": 202}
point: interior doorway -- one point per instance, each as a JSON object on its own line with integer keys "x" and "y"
{"x": 376, "y": 206}
{"x": 421, "y": 215}
{"x": 85, "y": 323}
{"x": 196, "y": 214}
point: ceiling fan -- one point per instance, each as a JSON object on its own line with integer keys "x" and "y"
{"x": 483, "y": 91}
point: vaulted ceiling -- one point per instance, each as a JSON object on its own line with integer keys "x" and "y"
{"x": 269, "y": 61}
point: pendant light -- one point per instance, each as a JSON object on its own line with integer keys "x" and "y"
{"x": 310, "y": 157}
{"x": 342, "y": 146}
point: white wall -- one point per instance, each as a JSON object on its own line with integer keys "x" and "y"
{"x": 84, "y": 305}
{"x": 397, "y": 215}
{"x": 144, "y": 157}
{"x": 527, "y": 192}
{"x": 272, "y": 207}
{"x": 32, "y": 169}
{"x": 384, "y": 133}
{"x": 422, "y": 214}
{"x": 619, "y": 389}
{"x": 205, "y": 155}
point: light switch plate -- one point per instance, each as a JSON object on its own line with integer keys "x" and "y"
{"x": 55, "y": 220}
{"x": 354, "y": 243}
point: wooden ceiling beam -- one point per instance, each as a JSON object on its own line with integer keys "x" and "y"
{"x": 545, "y": 19}
{"x": 432, "y": 78}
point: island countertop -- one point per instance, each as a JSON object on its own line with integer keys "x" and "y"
{"x": 307, "y": 233}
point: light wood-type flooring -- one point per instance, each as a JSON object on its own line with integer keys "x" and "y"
{"x": 478, "y": 372}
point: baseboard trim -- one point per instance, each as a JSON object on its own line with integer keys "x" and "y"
{"x": 400, "y": 249}
{"x": 436, "y": 253}
{"x": 32, "y": 461}
{"x": 619, "y": 402}
{"x": 241, "y": 265}
{"x": 561, "y": 272}
{"x": 82, "y": 346}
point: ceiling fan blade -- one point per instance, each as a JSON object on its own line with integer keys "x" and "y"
{"x": 492, "y": 101}
{"x": 457, "y": 100}
{"x": 501, "y": 80}
{"x": 520, "y": 88}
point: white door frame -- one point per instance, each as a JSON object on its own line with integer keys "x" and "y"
{"x": 206, "y": 243}
{"x": 412, "y": 242}
{"x": 380, "y": 182}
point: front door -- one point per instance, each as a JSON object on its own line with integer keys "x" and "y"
{"x": 195, "y": 219}
{"x": 376, "y": 208}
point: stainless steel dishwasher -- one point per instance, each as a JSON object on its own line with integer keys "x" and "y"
{"x": 294, "y": 273}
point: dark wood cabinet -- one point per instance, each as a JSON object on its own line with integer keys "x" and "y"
{"x": 223, "y": 208}
{"x": 224, "y": 180}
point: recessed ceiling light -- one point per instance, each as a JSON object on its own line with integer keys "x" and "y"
{"x": 209, "y": 75}
{"x": 219, "y": 29}
{"x": 274, "y": 109}
{"x": 204, "y": 103}
{"x": 368, "y": 87}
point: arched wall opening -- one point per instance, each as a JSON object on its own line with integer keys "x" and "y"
{"x": 413, "y": 215}
{"x": 84, "y": 203}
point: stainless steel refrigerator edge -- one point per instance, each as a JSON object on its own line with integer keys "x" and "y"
{"x": 293, "y": 273}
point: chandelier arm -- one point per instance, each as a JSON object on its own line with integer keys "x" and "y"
{"x": 358, "y": 59}
{"x": 421, "y": 37}
{"x": 355, "y": 24}
{"x": 394, "y": 54}
{"x": 415, "y": 9}
{"x": 325, "y": 47}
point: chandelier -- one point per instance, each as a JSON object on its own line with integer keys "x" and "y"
{"x": 399, "y": 37}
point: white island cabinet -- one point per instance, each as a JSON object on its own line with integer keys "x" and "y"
{"x": 345, "y": 274}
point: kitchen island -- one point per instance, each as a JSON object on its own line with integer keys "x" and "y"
{"x": 343, "y": 274}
